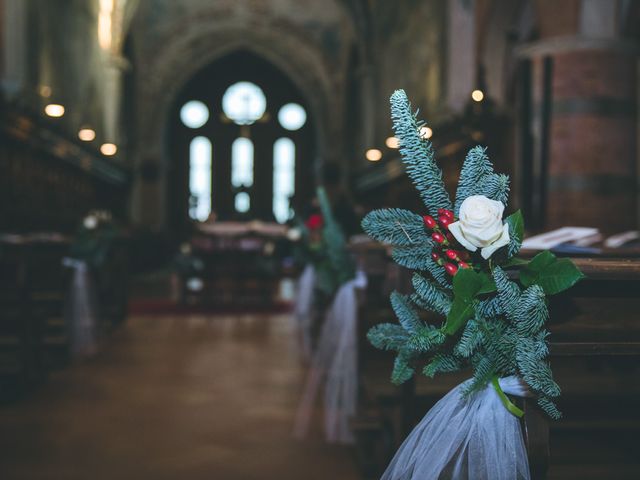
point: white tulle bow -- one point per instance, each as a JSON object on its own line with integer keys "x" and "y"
{"x": 465, "y": 438}
{"x": 303, "y": 308}
{"x": 336, "y": 360}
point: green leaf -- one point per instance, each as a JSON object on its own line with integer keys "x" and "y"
{"x": 516, "y": 225}
{"x": 488, "y": 285}
{"x": 515, "y": 262}
{"x": 515, "y": 221}
{"x": 467, "y": 284}
{"x": 559, "y": 276}
{"x": 553, "y": 275}
{"x": 462, "y": 310}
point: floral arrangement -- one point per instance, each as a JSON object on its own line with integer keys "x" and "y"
{"x": 94, "y": 238}
{"x": 461, "y": 253}
{"x": 324, "y": 246}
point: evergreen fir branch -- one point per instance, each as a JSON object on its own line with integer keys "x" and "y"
{"x": 477, "y": 178}
{"x": 395, "y": 226}
{"x": 431, "y": 296}
{"x": 491, "y": 307}
{"x": 341, "y": 262}
{"x": 442, "y": 363}
{"x": 438, "y": 273}
{"x": 470, "y": 340}
{"x": 414, "y": 257}
{"x": 402, "y": 370}
{"x": 536, "y": 372}
{"x": 532, "y": 312}
{"x": 483, "y": 372}
{"x": 407, "y": 315}
{"x": 495, "y": 187}
{"x": 426, "y": 339}
{"x": 549, "y": 407}
{"x": 418, "y": 156}
{"x": 388, "y": 336}
{"x": 508, "y": 292}
{"x": 501, "y": 345}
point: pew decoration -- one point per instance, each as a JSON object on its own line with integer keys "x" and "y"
{"x": 461, "y": 253}
{"x": 89, "y": 252}
{"x": 334, "y": 360}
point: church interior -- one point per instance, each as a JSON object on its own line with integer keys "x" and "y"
{"x": 159, "y": 160}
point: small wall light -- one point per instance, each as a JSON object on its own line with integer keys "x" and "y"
{"x": 477, "y": 95}
{"x": 108, "y": 149}
{"x": 392, "y": 142}
{"x": 54, "y": 110}
{"x": 86, "y": 134}
{"x": 373, "y": 154}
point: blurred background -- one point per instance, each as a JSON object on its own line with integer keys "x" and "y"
{"x": 156, "y": 154}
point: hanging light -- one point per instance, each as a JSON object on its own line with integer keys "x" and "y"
{"x": 54, "y": 110}
{"x": 86, "y": 134}
{"x": 108, "y": 149}
{"x": 477, "y": 95}
{"x": 373, "y": 154}
{"x": 392, "y": 142}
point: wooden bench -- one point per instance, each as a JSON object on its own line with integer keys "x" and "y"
{"x": 595, "y": 349}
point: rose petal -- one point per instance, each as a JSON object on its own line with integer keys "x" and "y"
{"x": 456, "y": 231}
{"x": 486, "y": 252}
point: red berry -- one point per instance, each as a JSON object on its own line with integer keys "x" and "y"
{"x": 445, "y": 221}
{"x": 463, "y": 265}
{"x": 446, "y": 213}
{"x": 450, "y": 237}
{"x": 451, "y": 254}
{"x": 435, "y": 257}
{"x": 451, "y": 269}
{"x": 437, "y": 237}
{"x": 429, "y": 221}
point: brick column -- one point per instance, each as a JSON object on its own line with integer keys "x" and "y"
{"x": 583, "y": 121}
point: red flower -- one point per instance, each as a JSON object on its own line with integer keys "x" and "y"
{"x": 315, "y": 222}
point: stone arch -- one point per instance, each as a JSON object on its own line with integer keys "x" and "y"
{"x": 186, "y": 53}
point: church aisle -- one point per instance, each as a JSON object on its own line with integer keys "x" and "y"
{"x": 172, "y": 397}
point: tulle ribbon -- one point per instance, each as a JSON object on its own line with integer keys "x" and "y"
{"x": 466, "y": 437}
{"x": 303, "y": 308}
{"x": 335, "y": 362}
{"x": 80, "y": 312}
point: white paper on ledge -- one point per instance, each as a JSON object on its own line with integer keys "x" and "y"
{"x": 556, "y": 237}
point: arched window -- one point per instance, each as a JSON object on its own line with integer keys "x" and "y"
{"x": 200, "y": 178}
{"x": 242, "y": 162}
{"x": 284, "y": 167}
{"x": 263, "y": 139}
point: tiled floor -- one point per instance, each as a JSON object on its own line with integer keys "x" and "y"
{"x": 173, "y": 397}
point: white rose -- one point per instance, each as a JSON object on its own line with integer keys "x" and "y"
{"x": 480, "y": 225}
